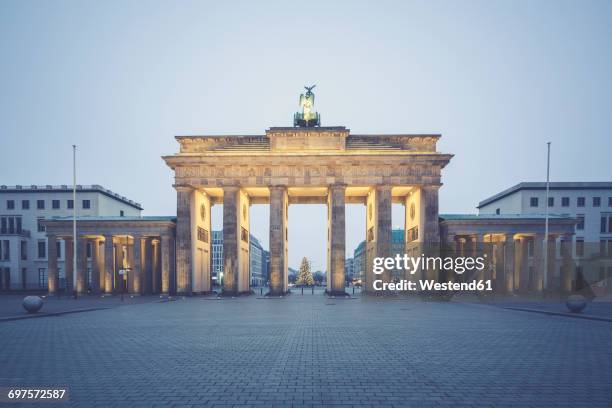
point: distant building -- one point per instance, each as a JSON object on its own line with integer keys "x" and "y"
{"x": 359, "y": 262}
{"x": 348, "y": 269}
{"x": 23, "y": 240}
{"x": 257, "y": 260}
{"x": 217, "y": 257}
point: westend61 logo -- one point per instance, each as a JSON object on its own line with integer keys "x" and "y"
{"x": 423, "y": 263}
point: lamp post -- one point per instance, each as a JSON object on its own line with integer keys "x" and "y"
{"x": 74, "y": 206}
{"x": 545, "y": 283}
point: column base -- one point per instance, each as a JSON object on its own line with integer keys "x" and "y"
{"x": 337, "y": 293}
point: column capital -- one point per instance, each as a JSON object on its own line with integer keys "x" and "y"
{"x": 337, "y": 186}
{"x": 231, "y": 188}
{"x": 431, "y": 187}
{"x": 277, "y": 187}
{"x": 183, "y": 188}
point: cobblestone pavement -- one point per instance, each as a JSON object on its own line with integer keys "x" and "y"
{"x": 311, "y": 351}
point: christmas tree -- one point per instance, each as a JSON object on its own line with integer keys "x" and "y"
{"x": 304, "y": 275}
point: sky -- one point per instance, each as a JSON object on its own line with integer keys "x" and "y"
{"x": 498, "y": 79}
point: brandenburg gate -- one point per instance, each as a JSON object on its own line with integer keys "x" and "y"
{"x": 306, "y": 163}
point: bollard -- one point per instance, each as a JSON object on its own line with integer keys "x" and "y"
{"x": 353, "y": 290}
{"x": 312, "y": 290}
{"x": 302, "y": 290}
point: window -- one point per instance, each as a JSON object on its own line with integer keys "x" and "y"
{"x": 596, "y": 201}
{"x": 564, "y": 201}
{"x": 580, "y": 224}
{"x": 551, "y": 201}
{"x": 6, "y": 250}
{"x": 580, "y": 202}
{"x": 497, "y": 211}
{"x": 25, "y": 204}
{"x": 42, "y": 249}
{"x": 40, "y": 204}
{"x": 10, "y": 204}
{"x": 533, "y": 201}
{"x": 18, "y": 225}
{"x": 70, "y": 204}
{"x": 580, "y": 247}
{"x": 42, "y": 277}
{"x": 606, "y": 224}
{"x": 88, "y": 249}
{"x": 58, "y": 246}
{"x": 86, "y": 204}
{"x": 24, "y": 250}
{"x": 41, "y": 227}
{"x": 11, "y": 228}
{"x": 609, "y": 201}
{"x": 55, "y": 204}
{"x": 3, "y": 225}
{"x": 121, "y": 213}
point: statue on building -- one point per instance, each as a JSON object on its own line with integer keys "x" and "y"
{"x": 307, "y": 118}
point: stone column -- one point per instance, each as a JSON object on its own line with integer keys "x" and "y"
{"x": 52, "y": 278}
{"x": 523, "y": 264}
{"x": 378, "y": 233}
{"x": 279, "y": 205}
{"x": 552, "y": 262}
{"x": 165, "y": 264}
{"x": 109, "y": 264}
{"x": 567, "y": 268}
{"x": 538, "y": 263}
{"x": 68, "y": 264}
{"x": 155, "y": 267}
{"x": 147, "y": 267}
{"x": 137, "y": 266}
{"x": 95, "y": 266}
{"x": 183, "y": 239}
{"x": 81, "y": 273}
{"x": 337, "y": 240}
{"x": 509, "y": 263}
{"x": 230, "y": 240}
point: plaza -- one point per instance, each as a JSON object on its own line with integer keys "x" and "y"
{"x": 310, "y": 350}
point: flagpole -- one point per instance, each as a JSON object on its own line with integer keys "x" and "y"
{"x": 74, "y": 206}
{"x": 545, "y": 285}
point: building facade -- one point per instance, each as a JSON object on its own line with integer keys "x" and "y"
{"x": 590, "y": 203}
{"x": 24, "y": 250}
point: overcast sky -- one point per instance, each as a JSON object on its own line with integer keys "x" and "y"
{"x": 120, "y": 78}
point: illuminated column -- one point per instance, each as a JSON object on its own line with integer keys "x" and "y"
{"x": 430, "y": 225}
{"x": 147, "y": 267}
{"x": 136, "y": 288}
{"x": 81, "y": 273}
{"x": 95, "y": 266}
{"x": 155, "y": 267}
{"x": 201, "y": 245}
{"x": 538, "y": 263}
{"x": 68, "y": 264}
{"x": 378, "y": 233}
{"x": 336, "y": 240}
{"x": 567, "y": 263}
{"x": 183, "y": 239}
{"x": 523, "y": 265}
{"x": 109, "y": 264}
{"x": 165, "y": 264}
{"x": 279, "y": 205}
{"x": 52, "y": 278}
{"x": 509, "y": 263}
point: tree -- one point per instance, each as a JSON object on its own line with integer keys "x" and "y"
{"x": 304, "y": 275}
